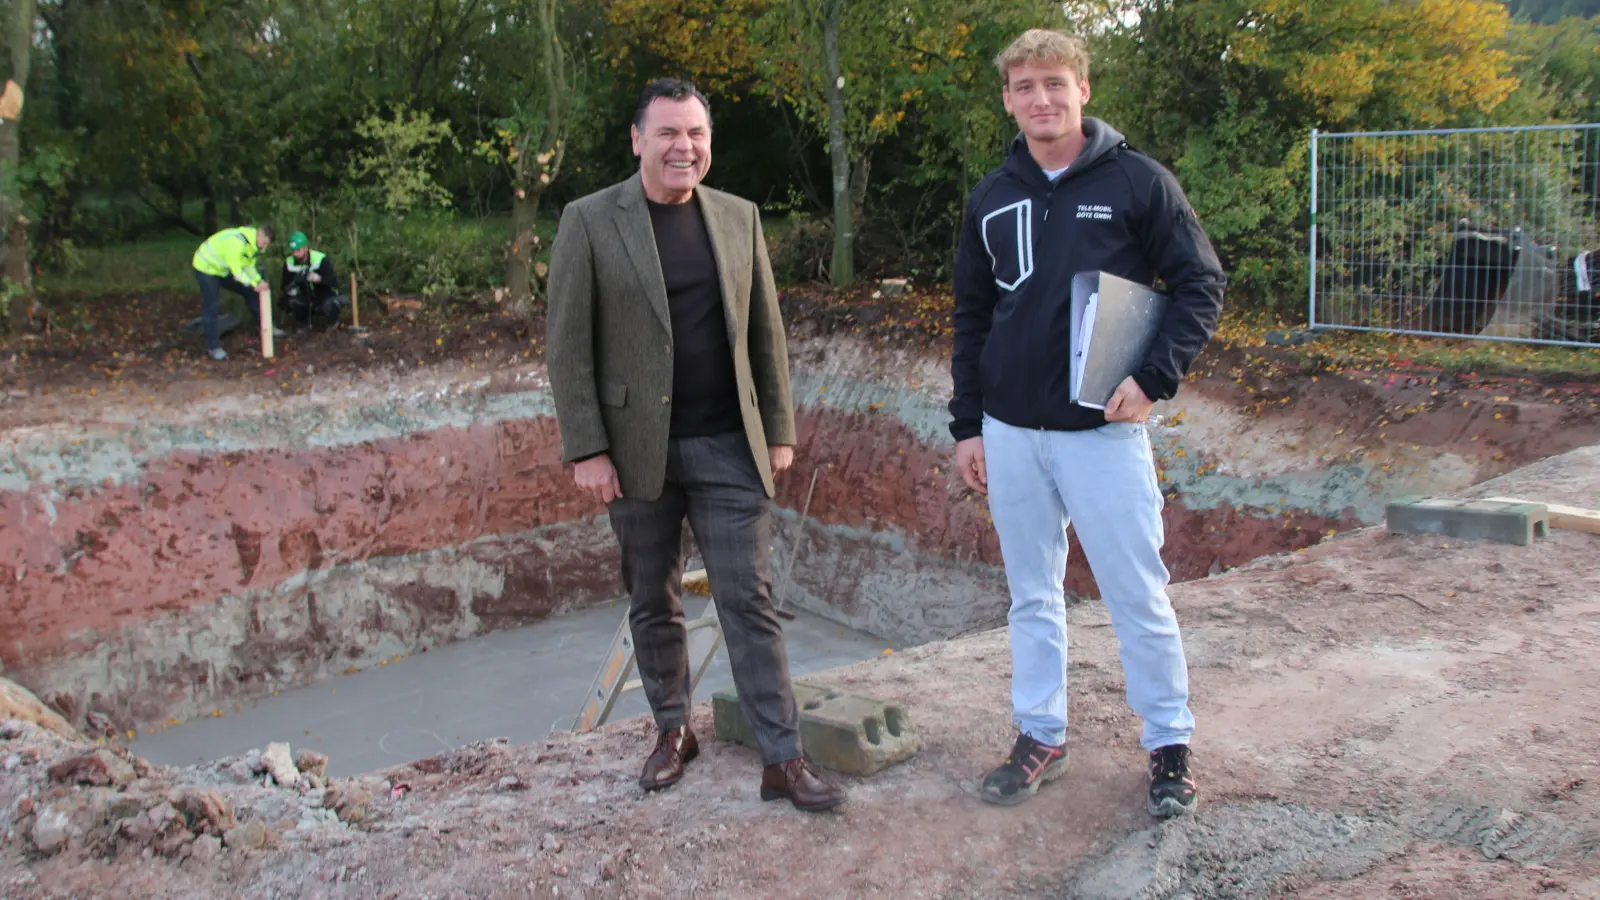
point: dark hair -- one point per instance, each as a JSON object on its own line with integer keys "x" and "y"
{"x": 672, "y": 89}
{"x": 266, "y": 229}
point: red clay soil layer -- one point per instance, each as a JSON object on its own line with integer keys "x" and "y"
{"x": 196, "y": 528}
{"x": 877, "y": 476}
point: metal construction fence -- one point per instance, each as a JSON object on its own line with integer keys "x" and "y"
{"x": 1491, "y": 233}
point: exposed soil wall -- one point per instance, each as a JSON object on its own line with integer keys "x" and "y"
{"x": 159, "y": 562}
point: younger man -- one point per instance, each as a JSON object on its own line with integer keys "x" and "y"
{"x": 1073, "y": 197}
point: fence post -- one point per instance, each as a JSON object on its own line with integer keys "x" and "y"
{"x": 1311, "y": 313}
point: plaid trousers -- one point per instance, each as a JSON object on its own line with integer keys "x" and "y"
{"x": 713, "y": 482}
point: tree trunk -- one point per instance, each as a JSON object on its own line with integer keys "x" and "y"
{"x": 537, "y": 164}
{"x": 210, "y": 223}
{"x": 18, "y": 267}
{"x": 524, "y": 213}
{"x": 843, "y": 269}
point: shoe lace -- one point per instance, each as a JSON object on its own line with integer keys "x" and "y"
{"x": 1022, "y": 750}
{"x": 1171, "y": 762}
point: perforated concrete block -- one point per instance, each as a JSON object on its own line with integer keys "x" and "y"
{"x": 1492, "y": 520}
{"x": 844, "y": 732}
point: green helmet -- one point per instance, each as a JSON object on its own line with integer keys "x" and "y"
{"x": 297, "y": 241}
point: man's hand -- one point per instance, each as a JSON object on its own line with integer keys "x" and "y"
{"x": 262, "y": 287}
{"x": 599, "y": 477}
{"x": 315, "y": 278}
{"x": 1129, "y": 404}
{"x": 781, "y": 456}
{"x": 969, "y": 459}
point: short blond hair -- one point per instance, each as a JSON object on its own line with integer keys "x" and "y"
{"x": 1038, "y": 45}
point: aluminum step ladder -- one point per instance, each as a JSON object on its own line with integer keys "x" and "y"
{"x": 612, "y": 681}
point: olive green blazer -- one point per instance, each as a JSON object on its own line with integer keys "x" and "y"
{"x": 609, "y": 338}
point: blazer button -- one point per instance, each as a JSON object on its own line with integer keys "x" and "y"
{"x": 665, "y": 400}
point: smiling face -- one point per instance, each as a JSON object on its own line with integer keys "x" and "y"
{"x": 1047, "y": 99}
{"x": 673, "y": 143}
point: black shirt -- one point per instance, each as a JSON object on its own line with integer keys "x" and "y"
{"x": 705, "y": 394}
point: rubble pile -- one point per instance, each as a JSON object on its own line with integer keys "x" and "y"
{"x": 67, "y": 796}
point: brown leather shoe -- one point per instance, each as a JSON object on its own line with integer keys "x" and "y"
{"x": 674, "y": 748}
{"x": 794, "y": 780}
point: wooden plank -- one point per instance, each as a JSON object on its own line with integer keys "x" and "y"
{"x": 1572, "y": 518}
{"x": 265, "y": 301}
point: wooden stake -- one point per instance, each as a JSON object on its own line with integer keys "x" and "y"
{"x": 1570, "y": 517}
{"x": 265, "y": 300}
{"x": 355, "y": 308}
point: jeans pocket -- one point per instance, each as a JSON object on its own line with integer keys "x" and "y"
{"x": 1122, "y": 430}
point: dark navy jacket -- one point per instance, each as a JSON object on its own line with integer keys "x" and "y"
{"x": 1023, "y": 238}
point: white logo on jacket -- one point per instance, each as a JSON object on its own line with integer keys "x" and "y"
{"x": 1008, "y": 238}
{"x": 1092, "y": 211}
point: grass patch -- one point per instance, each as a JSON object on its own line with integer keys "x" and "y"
{"x": 1349, "y": 349}
{"x": 452, "y": 253}
{"x": 159, "y": 265}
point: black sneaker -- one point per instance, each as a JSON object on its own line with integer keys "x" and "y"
{"x": 1172, "y": 790}
{"x": 1029, "y": 765}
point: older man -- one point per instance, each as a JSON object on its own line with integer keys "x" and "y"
{"x": 670, "y": 375}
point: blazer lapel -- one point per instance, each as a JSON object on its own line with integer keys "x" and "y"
{"x": 721, "y": 243}
{"x": 633, "y": 222}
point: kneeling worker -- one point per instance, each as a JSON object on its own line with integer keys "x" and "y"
{"x": 309, "y": 284}
{"x": 227, "y": 259}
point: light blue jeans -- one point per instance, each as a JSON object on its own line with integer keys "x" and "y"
{"x": 1105, "y": 480}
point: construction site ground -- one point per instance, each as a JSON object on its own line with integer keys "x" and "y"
{"x": 1379, "y": 716}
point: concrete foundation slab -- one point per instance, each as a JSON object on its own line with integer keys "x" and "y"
{"x": 848, "y": 733}
{"x": 519, "y": 683}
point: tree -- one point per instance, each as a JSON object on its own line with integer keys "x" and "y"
{"x": 708, "y": 41}
{"x": 532, "y": 142}
{"x": 1550, "y": 11}
{"x": 19, "y": 274}
{"x": 1227, "y": 91}
{"x": 857, "y": 97}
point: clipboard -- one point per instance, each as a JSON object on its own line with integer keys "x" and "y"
{"x": 1114, "y": 324}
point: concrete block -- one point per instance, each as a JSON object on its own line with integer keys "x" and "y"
{"x": 844, "y": 732}
{"x": 1492, "y": 520}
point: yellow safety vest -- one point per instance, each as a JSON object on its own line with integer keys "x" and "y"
{"x": 231, "y": 251}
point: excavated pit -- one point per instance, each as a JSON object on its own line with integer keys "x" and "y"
{"x": 166, "y": 563}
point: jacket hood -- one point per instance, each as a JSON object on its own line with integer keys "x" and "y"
{"x": 1102, "y": 140}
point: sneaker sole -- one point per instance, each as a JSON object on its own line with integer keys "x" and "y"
{"x": 1051, "y": 773}
{"x": 1170, "y": 807}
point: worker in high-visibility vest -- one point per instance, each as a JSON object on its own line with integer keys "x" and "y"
{"x": 227, "y": 259}
{"x": 309, "y": 292}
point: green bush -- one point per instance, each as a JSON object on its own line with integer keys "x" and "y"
{"x": 432, "y": 255}
{"x": 1249, "y": 185}
{"x": 800, "y": 247}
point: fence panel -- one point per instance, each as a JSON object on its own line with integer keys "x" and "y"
{"x": 1481, "y": 232}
